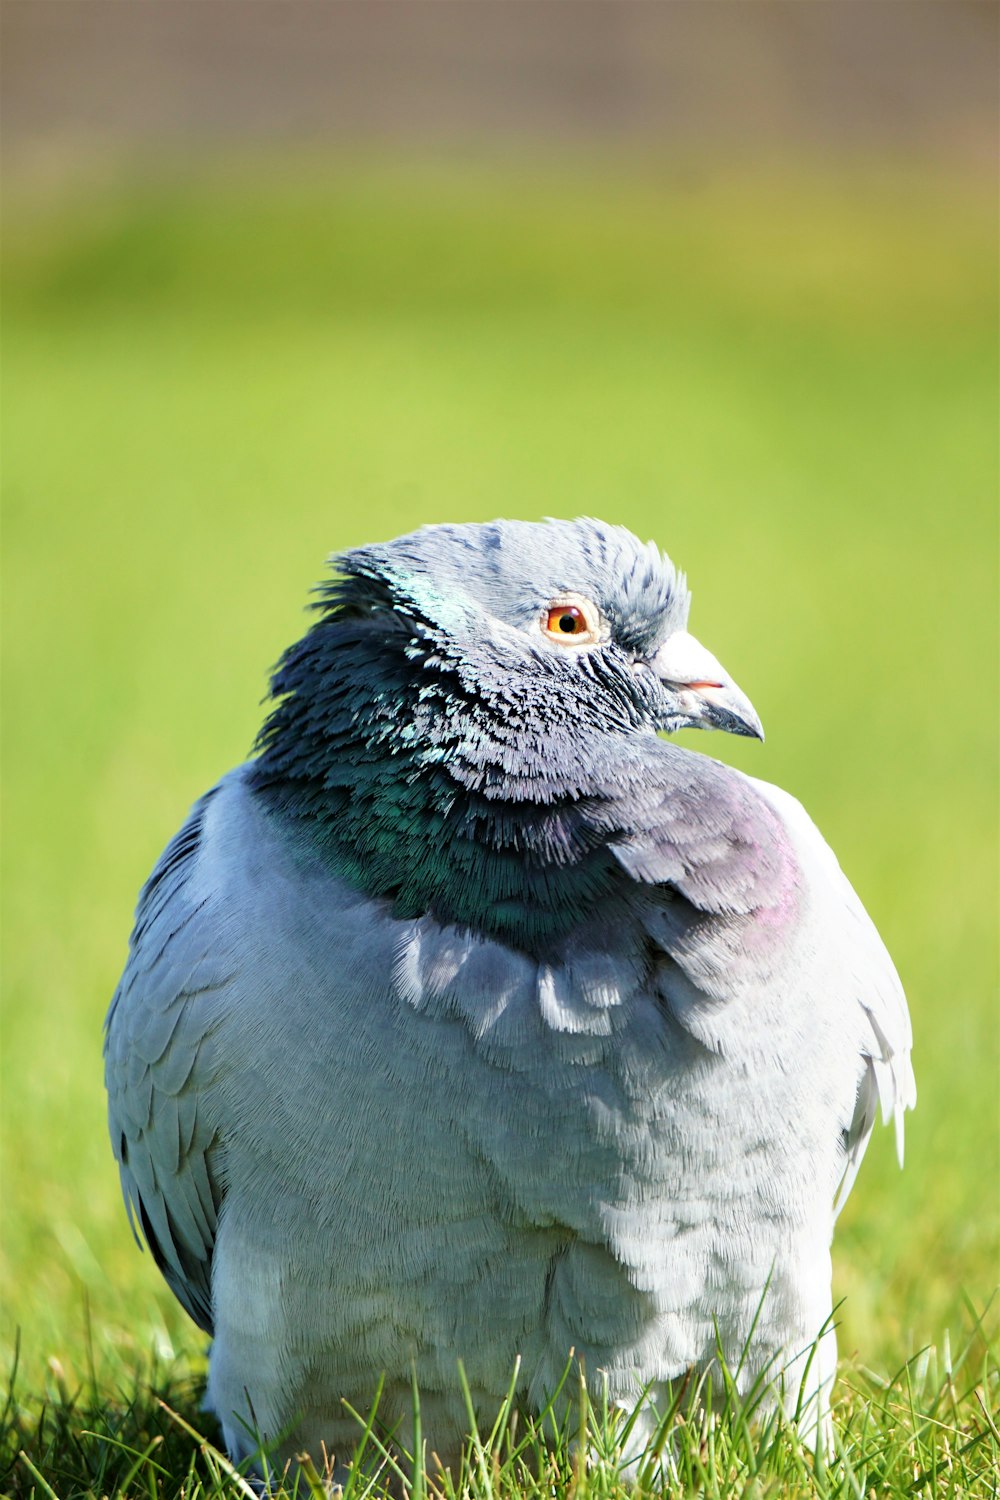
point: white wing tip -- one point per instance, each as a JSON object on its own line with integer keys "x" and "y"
{"x": 905, "y": 1098}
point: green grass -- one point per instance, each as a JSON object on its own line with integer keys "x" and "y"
{"x": 789, "y": 380}
{"x": 928, "y": 1430}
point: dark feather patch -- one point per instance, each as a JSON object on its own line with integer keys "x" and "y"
{"x": 477, "y": 777}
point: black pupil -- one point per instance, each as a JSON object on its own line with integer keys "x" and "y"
{"x": 567, "y": 623}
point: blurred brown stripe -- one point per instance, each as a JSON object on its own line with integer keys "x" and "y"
{"x": 806, "y": 73}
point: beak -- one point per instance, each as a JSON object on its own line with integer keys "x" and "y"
{"x": 707, "y": 696}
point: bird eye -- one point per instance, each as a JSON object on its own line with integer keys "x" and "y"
{"x": 567, "y": 618}
{"x": 571, "y": 621}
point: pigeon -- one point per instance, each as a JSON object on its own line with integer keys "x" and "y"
{"x": 473, "y": 1019}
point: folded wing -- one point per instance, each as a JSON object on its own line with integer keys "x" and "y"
{"x": 758, "y": 926}
{"x": 160, "y": 1064}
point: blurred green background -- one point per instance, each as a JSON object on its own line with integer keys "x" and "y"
{"x": 224, "y": 358}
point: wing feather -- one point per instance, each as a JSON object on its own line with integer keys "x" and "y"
{"x": 874, "y": 1005}
{"x": 746, "y": 901}
{"x": 160, "y": 1065}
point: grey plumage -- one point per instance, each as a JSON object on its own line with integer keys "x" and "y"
{"x": 471, "y": 1019}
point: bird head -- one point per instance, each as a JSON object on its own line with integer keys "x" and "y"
{"x": 573, "y": 619}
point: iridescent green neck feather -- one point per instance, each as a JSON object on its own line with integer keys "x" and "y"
{"x": 441, "y": 784}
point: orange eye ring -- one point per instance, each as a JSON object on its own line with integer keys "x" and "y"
{"x": 572, "y": 621}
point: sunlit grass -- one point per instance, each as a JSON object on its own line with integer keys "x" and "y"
{"x": 790, "y": 381}
{"x": 929, "y": 1429}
